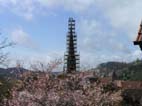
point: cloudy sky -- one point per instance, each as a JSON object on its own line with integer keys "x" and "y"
{"x": 105, "y": 29}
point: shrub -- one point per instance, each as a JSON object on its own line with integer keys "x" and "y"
{"x": 132, "y": 97}
{"x": 110, "y": 88}
{"x": 5, "y": 88}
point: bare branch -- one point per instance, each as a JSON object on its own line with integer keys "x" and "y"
{"x": 46, "y": 67}
{"x": 4, "y": 44}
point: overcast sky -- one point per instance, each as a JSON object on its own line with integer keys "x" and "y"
{"x": 105, "y": 29}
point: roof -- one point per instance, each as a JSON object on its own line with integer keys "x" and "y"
{"x": 129, "y": 84}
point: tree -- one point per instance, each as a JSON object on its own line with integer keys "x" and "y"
{"x": 4, "y": 43}
{"x": 46, "y": 67}
{"x": 5, "y": 87}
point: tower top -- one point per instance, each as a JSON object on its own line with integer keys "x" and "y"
{"x": 71, "y": 19}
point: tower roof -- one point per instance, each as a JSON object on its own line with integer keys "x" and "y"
{"x": 139, "y": 37}
{"x": 71, "y": 19}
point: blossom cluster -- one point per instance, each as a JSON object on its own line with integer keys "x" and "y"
{"x": 44, "y": 89}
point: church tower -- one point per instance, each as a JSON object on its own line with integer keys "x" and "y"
{"x": 71, "y": 57}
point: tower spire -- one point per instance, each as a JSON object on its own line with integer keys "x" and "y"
{"x": 71, "y": 57}
{"x": 139, "y": 37}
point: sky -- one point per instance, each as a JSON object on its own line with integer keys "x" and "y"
{"x": 106, "y": 29}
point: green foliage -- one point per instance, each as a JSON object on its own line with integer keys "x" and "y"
{"x": 123, "y": 71}
{"x": 62, "y": 76}
{"x": 133, "y": 72}
{"x": 110, "y": 88}
{"x": 5, "y": 88}
{"x": 132, "y": 97}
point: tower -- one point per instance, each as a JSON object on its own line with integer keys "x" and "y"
{"x": 71, "y": 57}
{"x": 139, "y": 37}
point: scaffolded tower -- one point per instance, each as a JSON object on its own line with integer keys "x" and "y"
{"x": 71, "y": 57}
{"x": 139, "y": 37}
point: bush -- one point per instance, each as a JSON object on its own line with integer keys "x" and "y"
{"x": 63, "y": 102}
{"x": 62, "y": 76}
{"x": 5, "y": 88}
{"x": 132, "y": 97}
{"x": 110, "y": 88}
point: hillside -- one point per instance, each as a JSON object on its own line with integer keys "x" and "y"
{"x": 41, "y": 88}
{"x": 12, "y": 73}
{"x": 124, "y": 71}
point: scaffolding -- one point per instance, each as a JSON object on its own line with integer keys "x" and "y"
{"x": 71, "y": 57}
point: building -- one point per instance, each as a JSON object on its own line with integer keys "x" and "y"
{"x": 71, "y": 57}
{"x": 128, "y": 84}
{"x": 139, "y": 37}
